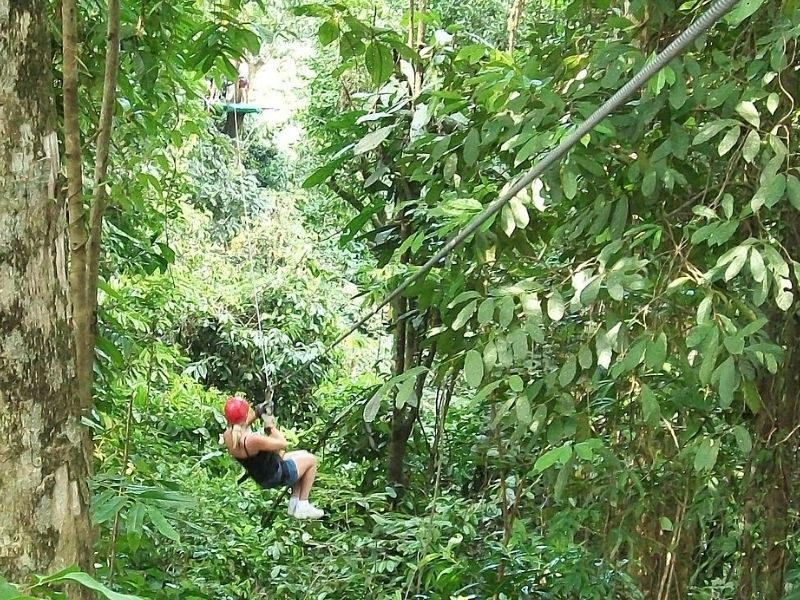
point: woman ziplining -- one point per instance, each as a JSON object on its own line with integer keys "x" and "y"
{"x": 265, "y": 459}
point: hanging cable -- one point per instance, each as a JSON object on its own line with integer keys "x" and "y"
{"x": 268, "y": 387}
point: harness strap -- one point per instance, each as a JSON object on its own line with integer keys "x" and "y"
{"x": 244, "y": 445}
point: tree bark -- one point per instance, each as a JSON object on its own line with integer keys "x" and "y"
{"x": 78, "y": 229}
{"x": 44, "y": 523}
{"x": 514, "y": 18}
{"x": 401, "y": 425}
{"x": 85, "y": 236}
{"x": 99, "y": 194}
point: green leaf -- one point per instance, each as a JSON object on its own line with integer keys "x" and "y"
{"x": 620, "y": 218}
{"x": 471, "y": 147}
{"x": 734, "y": 344}
{"x": 665, "y": 524}
{"x": 729, "y": 141}
{"x": 656, "y": 353}
{"x": 322, "y": 174}
{"x": 706, "y": 456}
{"x": 372, "y": 140}
{"x": 371, "y": 409}
{"x": 757, "y": 268}
{"x": 773, "y": 100}
{"x": 784, "y": 300}
{"x": 590, "y": 292}
{"x": 405, "y": 393}
{"x": 515, "y": 383}
{"x": 487, "y": 389}
{"x": 749, "y": 112}
{"x": 473, "y": 368}
{"x": 585, "y": 358}
{"x": 328, "y": 32}
{"x": 523, "y": 407}
{"x": 727, "y": 382}
{"x": 519, "y": 212}
{"x": 105, "y": 509}
{"x": 753, "y": 327}
{"x": 164, "y": 528}
{"x": 736, "y": 264}
{"x": 507, "y": 222}
{"x": 727, "y": 205}
{"x": 486, "y": 311}
{"x": 506, "y": 313}
{"x": 464, "y": 315}
{"x": 651, "y": 411}
{"x": 489, "y": 355}
{"x": 567, "y": 372}
{"x": 518, "y": 339}
{"x": 531, "y": 306}
{"x": 134, "y": 518}
{"x": 743, "y": 10}
{"x": 649, "y": 183}
{"x": 450, "y": 166}
{"x": 709, "y": 352}
{"x": 743, "y": 439}
{"x": 7, "y": 591}
{"x": 463, "y": 297}
{"x": 752, "y": 144}
{"x": 539, "y": 418}
{"x": 603, "y": 347}
{"x": 709, "y": 130}
{"x": 89, "y": 582}
{"x": 551, "y": 457}
{"x": 555, "y": 306}
{"x": 752, "y": 398}
{"x": 793, "y": 189}
{"x": 704, "y": 310}
{"x": 569, "y": 183}
{"x": 108, "y": 348}
{"x": 378, "y": 61}
{"x": 634, "y": 355}
{"x": 769, "y": 193}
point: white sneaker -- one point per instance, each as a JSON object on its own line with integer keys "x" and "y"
{"x": 292, "y": 506}
{"x": 308, "y": 511}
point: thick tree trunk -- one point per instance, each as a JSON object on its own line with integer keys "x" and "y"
{"x": 44, "y": 522}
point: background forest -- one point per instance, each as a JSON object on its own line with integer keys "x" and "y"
{"x": 597, "y": 396}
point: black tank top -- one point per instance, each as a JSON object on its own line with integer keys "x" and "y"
{"x": 263, "y": 467}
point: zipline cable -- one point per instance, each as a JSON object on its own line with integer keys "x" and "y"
{"x": 678, "y": 45}
{"x": 268, "y": 387}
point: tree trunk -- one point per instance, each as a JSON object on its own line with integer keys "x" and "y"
{"x": 44, "y": 524}
{"x": 514, "y": 18}
{"x": 771, "y": 477}
{"x": 78, "y": 228}
{"x": 401, "y": 427}
{"x": 84, "y": 227}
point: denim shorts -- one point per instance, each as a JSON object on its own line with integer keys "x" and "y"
{"x": 289, "y": 475}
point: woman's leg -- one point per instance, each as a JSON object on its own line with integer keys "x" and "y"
{"x": 306, "y": 464}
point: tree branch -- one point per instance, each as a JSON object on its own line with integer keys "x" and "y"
{"x": 78, "y": 236}
{"x": 345, "y": 195}
{"x": 99, "y": 195}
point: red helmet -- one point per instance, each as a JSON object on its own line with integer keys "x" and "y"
{"x": 236, "y": 410}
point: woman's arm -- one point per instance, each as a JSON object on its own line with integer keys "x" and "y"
{"x": 251, "y": 418}
{"x": 268, "y": 443}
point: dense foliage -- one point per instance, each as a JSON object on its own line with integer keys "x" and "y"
{"x": 596, "y": 396}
